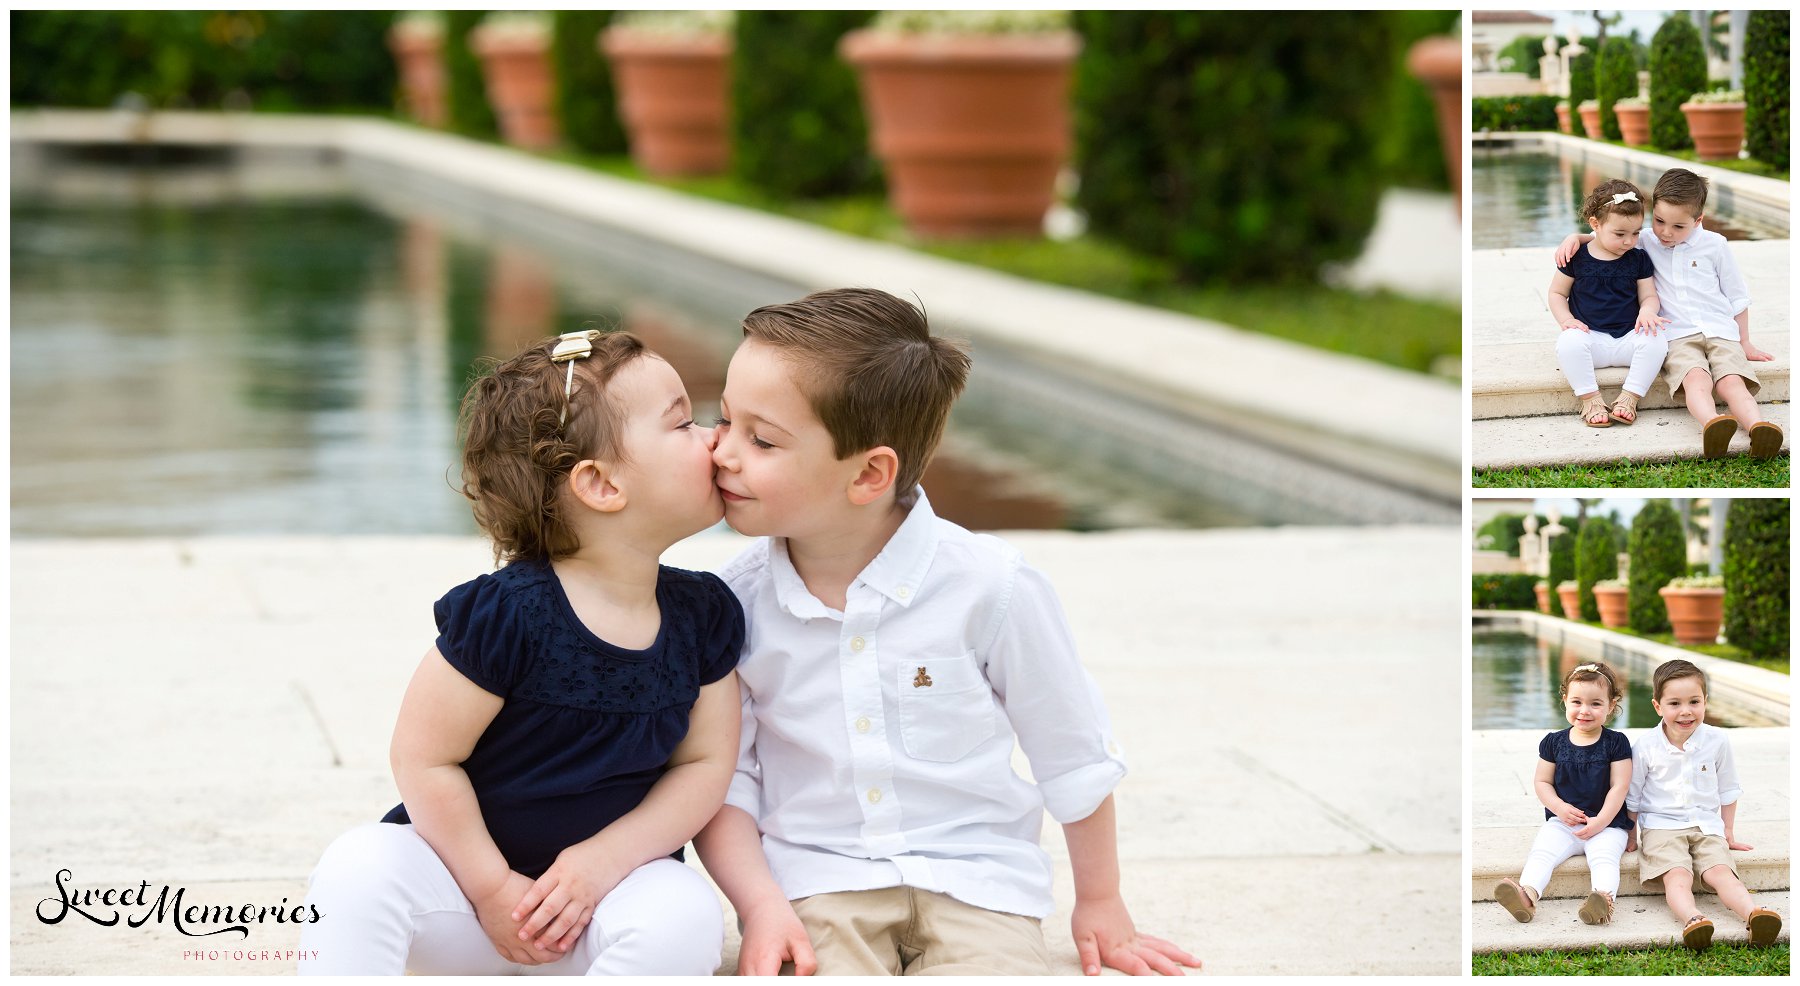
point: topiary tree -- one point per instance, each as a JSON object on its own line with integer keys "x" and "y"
{"x": 1596, "y": 558}
{"x": 466, "y": 90}
{"x": 1766, "y": 74}
{"x": 1232, "y": 145}
{"x": 586, "y": 102}
{"x": 1615, "y": 79}
{"x": 1581, "y": 76}
{"x": 1562, "y": 559}
{"x": 1756, "y": 577}
{"x": 1524, "y": 50}
{"x": 1677, "y": 71}
{"x": 797, "y": 124}
{"x": 1658, "y": 554}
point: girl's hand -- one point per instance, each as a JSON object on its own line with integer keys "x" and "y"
{"x": 1565, "y": 251}
{"x": 1753, "y": 353}
{"x": 1651, "y": 323}
{"x": 1589, "y": 830}
{"x": 1104, "y": 933}
{"x": 494, "y": 913}
{"x": 557, "y": 908}
{"x": 1575, "y": 323}
{"x": 1731, "y": 843}
{"x": 1571, "y": 815}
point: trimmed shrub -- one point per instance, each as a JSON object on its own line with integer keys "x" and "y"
{"x": 1506, "y": 530}
{"x": 796, "y": 120}
{"x": 585, "y": 100}
{"x": 1413, "y": 152}
{"x": 1658, "y": 554}
{"x": 1581, "y": 75}
{"x": 1505, "y": 592}
{"x": 1233, "y": 145}
{"x": 1596, "y": 558}
{"x": 1615, "y": 78}
{"x": 1766, "y": 75}
{"x": 1513, "y": 112}
{"x": 1677, "y": 71}
{"x": 1524, "y": 50}
{"x": 1562, "y": 558}
{"x": 1756, "y": 577}
{"x": 466, "y": 89}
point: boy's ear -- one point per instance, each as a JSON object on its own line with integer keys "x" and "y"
{"x": 592, "y": 483}
{"x": 880, "y": 466}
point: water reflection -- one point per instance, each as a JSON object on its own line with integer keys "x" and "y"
{"x": 1518, "y": 679}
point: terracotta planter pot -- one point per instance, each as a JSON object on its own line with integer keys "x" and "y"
{"x": 1543, "y": 597}
{"x": 1717, "y": 128}
{"x": 1695, "y": 614}
{"x": 1437, "y": 62}
{"x": 419, "y": 55}
{"x": 674, "y": 99}
{"x": 1634, "y": 124}
{"x": 1613, "y": 604}
{"x": 971, "y": 129}
{"x": 1590, "y": 122}
{"x": 1571, "y": 602}
{"x": 1562, "y": 119}
{"x": 520, "y": 86}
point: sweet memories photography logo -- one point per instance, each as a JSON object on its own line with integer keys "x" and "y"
{"x": 135, "y": 906}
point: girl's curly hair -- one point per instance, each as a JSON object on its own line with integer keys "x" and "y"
{"x": 516, "y": 453}
{"x": 1600, "y": 204}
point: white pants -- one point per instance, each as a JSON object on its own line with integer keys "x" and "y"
{"x": 1580, "y": 352}
{"x": 1556, "y": 842}
{"x": 389, "y": 905}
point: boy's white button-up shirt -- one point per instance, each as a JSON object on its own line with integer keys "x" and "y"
{"x": 877, "y": 744}
{"x": 1698, "y": 285}
{"x": 1677, "y": 787}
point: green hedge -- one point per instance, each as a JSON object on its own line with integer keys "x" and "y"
{"x": 1505, "y": 592}
{"x": 1581, "y": 78}
{"x": 1562, "y": 558}
{"x": 796, "y": 119}
{"x": 1513, "y": 113}
{"x": 173, "y": 59}
{"x": 466, "y": 92}
{"x": 1677, "y": 71}
{"x": 1658, "y": 554}
{"x": 1766, "y": 75}
{"x": 586, "y": 103}
{"x": 1524, "y": 50}
{"x": 1756, "y": 577}
{"x": 1413, "y": 153}
{"x": 1240, "y": 148}
{"x": 1596, "y": 558}
{"x": 1615, "y": 78}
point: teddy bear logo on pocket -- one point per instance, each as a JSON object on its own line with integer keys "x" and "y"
{"x": 921, "y": 680}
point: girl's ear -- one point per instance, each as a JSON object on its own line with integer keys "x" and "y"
{"x": 880, "y": 466}
{"x": 592, "y": 483}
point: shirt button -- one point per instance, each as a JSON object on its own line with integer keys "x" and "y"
{"x": 862, "y": 724}
{"x": 856, "y": 643}
{"x": 1112, "y": 748}
{"x": 903, "y": 592}
{"x": 874, "y": 795}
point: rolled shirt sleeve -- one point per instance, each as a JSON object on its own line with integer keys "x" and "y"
{"x": 1634, "y": 795}
{"x": 1731, "y": 283}
{"x": 1729, "y": 788}
{"x": 746, "y": 782}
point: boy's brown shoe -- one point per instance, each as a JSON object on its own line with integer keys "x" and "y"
{"x": 1765, "y": 439}
{"x": 1698, "y": 934}
{"x": 1716, "y": 436}
{"x": 1764, "y": 925}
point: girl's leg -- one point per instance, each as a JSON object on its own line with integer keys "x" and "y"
{"x": 663, "y": 919}
{"x": 1574, "y": 352}
{"x": 1603, "y": 854}
{"x": 1647, "y": 357}
{"x": 388, "y": 904}
{"x": 1731, "y": 890}
{"x": 1555, "y": 842}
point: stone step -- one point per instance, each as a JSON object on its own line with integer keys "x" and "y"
{"x": 1664, "y": 435}
{"x": 1501, "y": 852}
{"x": 1638, "y": 922}
{"x": 1517, "y": 379}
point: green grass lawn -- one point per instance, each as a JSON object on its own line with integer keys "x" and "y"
{"x": 1737, "y": 471}
{"x": 1722, "y": 651}
{"x": 1383, "y": 326}
{"x": 1722, "y": 959}
{"x": 1749, "y": 166}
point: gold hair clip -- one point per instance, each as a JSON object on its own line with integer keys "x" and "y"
{"x": 1595, "y": 668}
{"x": 571, "y": 346}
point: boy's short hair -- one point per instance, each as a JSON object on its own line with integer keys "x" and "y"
{"x": 1600, "y": 204}
{"x": 518, "y": 452}
{"x": 1671, "y": 670}
{"x": 1679, "y": 186}
{"x": 871, "y": 369}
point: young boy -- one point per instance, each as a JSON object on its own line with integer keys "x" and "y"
{"x": 1704, "y": 297}
{"x": 875, "y": 825}
{"x": 1683, "y": 797}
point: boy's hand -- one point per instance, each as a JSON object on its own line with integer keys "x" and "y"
{"x": 1731, "y": 843}
{"x": 1565, "y": 251}
{"x": 1575, "y": 323}
{"x": 1631, "y": 840}
{"x": 1104, "y": 933}
{"x": 1650, "y": 324}
{"x": 1571, "y": 815}
{"x": 773, "y": 934}
{"x": 560, "y": 904}
{"x": 495, "y": 914}
{"x": 1753, "y": 353}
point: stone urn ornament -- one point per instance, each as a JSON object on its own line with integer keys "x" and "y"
{"x": 672, "y": 71}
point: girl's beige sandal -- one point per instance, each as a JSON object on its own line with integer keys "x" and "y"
{"x": 1594, "y": 413}
{"x": 1515, "y": 899}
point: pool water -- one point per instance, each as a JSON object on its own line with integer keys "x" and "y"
{"x": 1533, "y": 199}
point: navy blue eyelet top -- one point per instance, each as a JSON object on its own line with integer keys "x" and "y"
{"x": 587, "y": 727}
{"x": 1584, "y": 773}
{"x": 1604, "y": 295}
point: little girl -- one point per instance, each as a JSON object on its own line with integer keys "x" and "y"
{"x": 1599, "y": 297}
{"x": 577, "y": 721}
{"x": 1583, "y": 774}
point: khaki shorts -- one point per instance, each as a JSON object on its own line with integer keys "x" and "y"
{"x": 1664, "y": 850}
{"x": 906, "y": 931}
{"x": 1720, "y": 358}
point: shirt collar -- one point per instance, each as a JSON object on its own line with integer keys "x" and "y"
{"x": 1663, "y": 737}
{"x": 895, "y": 572}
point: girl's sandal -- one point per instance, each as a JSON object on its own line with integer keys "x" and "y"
{"x": 1593, "y": 412}
{"x": 1698, "y": 933}
{"x": 1624, "y": 410}
{"x": 1597, "y": 909}
{"x": 1764, "y": 925}
{"x": 1515, "y": 899}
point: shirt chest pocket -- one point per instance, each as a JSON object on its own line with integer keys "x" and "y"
{"x": 1706, "y": 780}
{"x": 946, "y": 708}
{"x": 1701, "y": 273}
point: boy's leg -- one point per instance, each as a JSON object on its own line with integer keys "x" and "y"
{"x": 1739, "y": 399}
{"x": 663, "y": 919}
{"x": 1697, "y": 388}
{"x": 1731, "y": 890}
{"x": 952, "y": 938}
{"x": 855, "y": 933}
